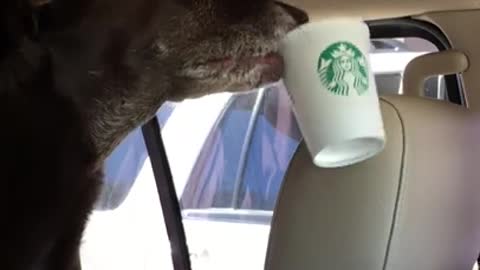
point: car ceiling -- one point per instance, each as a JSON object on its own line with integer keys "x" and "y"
{"x": 379, "y": 9}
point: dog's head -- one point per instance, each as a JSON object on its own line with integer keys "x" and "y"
{"x": 204, "y": 45}
{"x": 118, "y": 60}
{"x": 225, "y": 45}
{"x": 131, "y": 55}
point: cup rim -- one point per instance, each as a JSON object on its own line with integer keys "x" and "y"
{"x": 348, "y": 152}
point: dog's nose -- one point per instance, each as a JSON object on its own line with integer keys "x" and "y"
{"x": 299, "y": 15}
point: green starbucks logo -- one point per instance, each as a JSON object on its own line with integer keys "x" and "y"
{"x": 343, "y": 68}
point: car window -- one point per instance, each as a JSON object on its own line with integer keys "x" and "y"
{"x": 228, "y": 153}
{"x": 124, "y": 164}
{"x": 212, "y": 180}
{"x": 226, "y": 172}
{"x": 390, "y": 83}
{"x": 128, "y": 232}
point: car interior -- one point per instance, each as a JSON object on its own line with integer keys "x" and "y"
{"x": 415, "y": 205}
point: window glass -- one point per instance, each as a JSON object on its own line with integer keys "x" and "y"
{"x": 128, "y": 232}
{"x": 212, "y": 180}
{"x": 226, "y": 173}
{"x": 274, "y": 139}
{"x": 389, "y": 83}
{"x": 389, "y": 58}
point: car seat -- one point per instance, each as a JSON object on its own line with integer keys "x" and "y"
{"x": 414, "y": 206}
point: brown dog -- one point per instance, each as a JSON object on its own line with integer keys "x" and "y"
{"x": 120, "y": 59}
{"x": 82, "y": 74}
{"x": 48, "y": 175}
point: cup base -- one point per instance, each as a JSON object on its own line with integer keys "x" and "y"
{"x": 349, "y": 152}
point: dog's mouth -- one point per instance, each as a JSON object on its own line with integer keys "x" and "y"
{"x": 272, "y": 58}
{"x": 272, "y": 68}
{"x": 254, "y": 70}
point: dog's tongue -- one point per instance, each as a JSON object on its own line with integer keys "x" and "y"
{"x": 272, "y": 58}
{"x": 272, "y": 65}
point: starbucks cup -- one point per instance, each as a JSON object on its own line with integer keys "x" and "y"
{"x": 333, "y": 91}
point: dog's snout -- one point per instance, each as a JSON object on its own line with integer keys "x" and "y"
{"x": 298, "y": 15}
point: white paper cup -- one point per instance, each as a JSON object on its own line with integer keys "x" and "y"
{"x": 333, "y": 91}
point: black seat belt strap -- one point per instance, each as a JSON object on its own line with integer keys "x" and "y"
{"x": 168, "y": 196}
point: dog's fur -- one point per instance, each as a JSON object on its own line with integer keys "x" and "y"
{"x": 48, "y": 161}
{"x": 95, "y": 70}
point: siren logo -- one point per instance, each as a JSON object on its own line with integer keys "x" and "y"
{"x": 343, "y": 68}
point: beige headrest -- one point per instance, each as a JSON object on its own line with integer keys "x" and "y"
{"x": 415, "y": 206}
{"x": 432, "y": 64}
